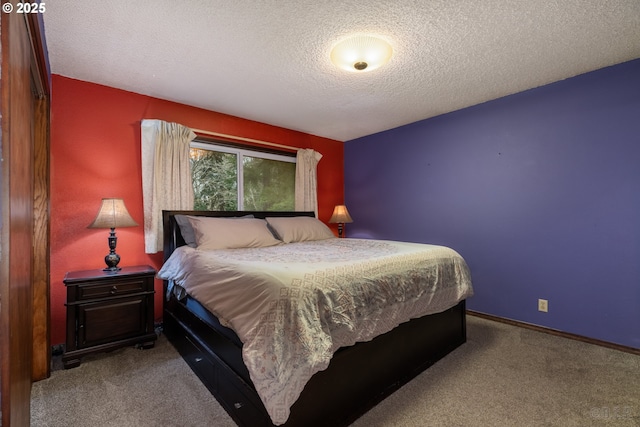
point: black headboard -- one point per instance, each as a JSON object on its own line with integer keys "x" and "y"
{"x": 173, "y": 238}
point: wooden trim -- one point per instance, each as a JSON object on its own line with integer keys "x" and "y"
{"x": 39, "y": 60}
{"x": 41, "y": 367}
{"x": 242, "y": 139}
{"x": 556, "y": 332}
{"x": 40, "y": 75}
{"x": 243, "y": 146}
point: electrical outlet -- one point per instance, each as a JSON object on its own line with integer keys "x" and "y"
{"x": 543, "y": 305}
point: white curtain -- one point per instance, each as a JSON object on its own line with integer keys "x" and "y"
{"x": 166, "y": 176}
{"x": 306, "y": 180}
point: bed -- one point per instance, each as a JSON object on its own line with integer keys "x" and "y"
{"x": 266, "y": 386}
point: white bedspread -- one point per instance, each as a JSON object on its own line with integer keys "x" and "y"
{"x": 295, "y": 304}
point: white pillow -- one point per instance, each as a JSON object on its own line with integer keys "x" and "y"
{"x": 299, "y": 229}
{"x": 231, "y": 233}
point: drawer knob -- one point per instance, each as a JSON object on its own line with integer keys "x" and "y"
{"x": 238, "y": 405}
{"x": 198, "y": 359}
{"x": 113, "y": 290}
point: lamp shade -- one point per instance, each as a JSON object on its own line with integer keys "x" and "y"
{"x": 113, "y": 214}
{"x": 340, "y": 215}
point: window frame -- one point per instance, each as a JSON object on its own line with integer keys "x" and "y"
{"x": 240, "y": 151}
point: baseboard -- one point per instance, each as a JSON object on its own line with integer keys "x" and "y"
{"x": 550, "y": 331}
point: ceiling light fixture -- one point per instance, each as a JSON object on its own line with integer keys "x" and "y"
{"x": 361, "y": 53}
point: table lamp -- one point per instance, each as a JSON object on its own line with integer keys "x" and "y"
{"x": 112, "y": 214}
{"x": 340, "y": 216}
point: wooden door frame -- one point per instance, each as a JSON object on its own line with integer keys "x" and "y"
{"x": 24, "y": 213}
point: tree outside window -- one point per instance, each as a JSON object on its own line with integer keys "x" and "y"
{"x": 226, "y": 178}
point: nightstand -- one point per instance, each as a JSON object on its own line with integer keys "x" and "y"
{"x": 108, "y": 310}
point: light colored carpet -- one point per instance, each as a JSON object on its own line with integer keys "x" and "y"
{"x": 503, "y": 376}
{"x": 126, "y": 388}
{"x": 509, "y": 376}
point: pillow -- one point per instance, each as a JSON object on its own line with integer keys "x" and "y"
{"x": 229, "y": 233}
{"x": 300, "y": 229}
{"x": 187, "y": 230}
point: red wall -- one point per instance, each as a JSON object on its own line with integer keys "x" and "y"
{"x": 95, "y": 153}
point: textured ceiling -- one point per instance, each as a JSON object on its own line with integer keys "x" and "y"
{"x": 268, "y": 60}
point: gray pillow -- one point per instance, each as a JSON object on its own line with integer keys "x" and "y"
{"x": 186, "y": 230}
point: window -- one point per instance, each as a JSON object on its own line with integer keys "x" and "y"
{"x": 229, "y": 178}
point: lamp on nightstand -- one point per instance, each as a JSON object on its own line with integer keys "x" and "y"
{"x": 340, "y": 216}
{"x": 112, "y": 214}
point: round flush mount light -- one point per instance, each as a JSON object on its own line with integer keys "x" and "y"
{"x": 361, "y": 53}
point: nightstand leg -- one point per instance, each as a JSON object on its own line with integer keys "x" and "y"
{"x": 72, "y": 363}
{"x": 147, "y": 345}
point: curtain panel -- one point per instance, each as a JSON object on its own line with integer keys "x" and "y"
{"x": 166, "y": 176}
{"x": 306, "y": 197}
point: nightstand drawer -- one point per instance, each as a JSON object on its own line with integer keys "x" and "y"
{"x": 111, "y": 289}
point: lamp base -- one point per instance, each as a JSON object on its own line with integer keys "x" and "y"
{"x": 112, "y": 260}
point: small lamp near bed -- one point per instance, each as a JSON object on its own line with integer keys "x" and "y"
{"x": 112, "y": 214}
{"x": 340, "y": 216}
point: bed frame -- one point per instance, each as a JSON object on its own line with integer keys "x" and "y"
{"x": 358, "y": 377}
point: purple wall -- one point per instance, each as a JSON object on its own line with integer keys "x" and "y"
{"x": 539, "y": 191}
